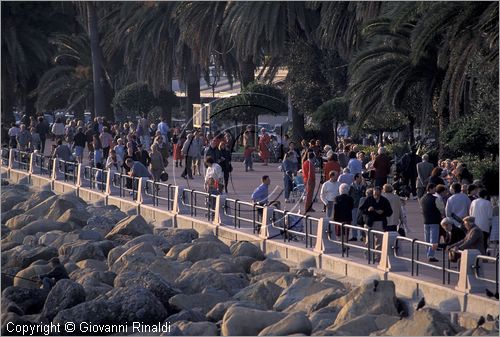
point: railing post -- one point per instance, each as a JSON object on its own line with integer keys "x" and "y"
{"x": 109, "y": 177}
{"x": 179, "y": 208}
{"x": 32, "y": 161}
{"x": 220, "y": 217}
{"x": 267, "y": 230}
{"x": 140, "y": 183}
{"x": 467, "y": 281}
{"x": 54, "y": 169}
{"x": 11, "y": 158}
{"x": 323, "y": 243}
{"x": 389, "y": 262}
{"x": 78, "y": 172}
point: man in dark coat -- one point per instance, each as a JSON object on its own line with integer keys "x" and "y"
{"x": 408, "y": 169}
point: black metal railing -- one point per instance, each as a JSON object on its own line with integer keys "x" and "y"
{"x": 69, "y": 170}
{"x": 371, "y": 237}
{"x": 21, "y": 160}
{"x": 42, "y": 164}
{"x": 125, "y": 183}
{"x": 5, "y": 156}
{"x": 416, "y": 262}
{"x": 296, "y": 227}
{"x": 250, "y": 214}
{"x": 199, "y": 202}
{"x": 477, "y": 267}
{"x": 97, "y": 178}
{"x": 159, "y": 191}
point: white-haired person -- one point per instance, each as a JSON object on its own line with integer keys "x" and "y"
{"x": 329, "y": 191}
{"x": 382, "y": 167}
{"x": 342, "y": 210}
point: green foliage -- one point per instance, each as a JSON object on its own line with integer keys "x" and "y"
{"x": 485, "y": 169}
{"x": 385, "y": 121}
{"x": 133, "y": 100}
{"x": 476, "y": 134}
{"x": 334, "y": 110}
{"x": 265, "y": 98}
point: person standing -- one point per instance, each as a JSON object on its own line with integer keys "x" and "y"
{"x": 432, "y": 220}
{"x": 343, "y": 206}
{"x": 35, "y": 141}
{"x": 482, "y": 210}
{"x": 408, "y": 166}
{"x": 97, "y": 146}
{"x": 247, "y": 158}
{"x": 142, "y": 155}
{"x": 264, "y": 143}
{"x": 23, "y": 138}
{"x": 357, "y": 192}
{"x": 42, "y": 128}
{"x": 355, "y": 165}
{"x": 106, "y": 140}
{"x": 382, "y": 166}
{"x": 188, "y": 152}
{"x": 197, "y": 151}
{"x": 164, "y": 129}
{"x": 79, "y": 141}
{"x": 58, "y": 129}
{"x": 329, "y": 191}
{"x": 156, "y": 162}
{"x": 308, "y": 172}
{"x": 213, "y": 178}
{"x": 395, "y": 201}
{"x": 225, "y": 163}
{"x": 458, "y": 204}
{"x": 331, "y": 165}
{"x": 424, "y": 170}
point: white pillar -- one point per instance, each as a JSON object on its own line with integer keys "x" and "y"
{"x": 323, "y": 243}
{"x": 267, "y": 230}
{"x": 11, "y": 158}
{"x": 467, "y": 281}
{"x": 54, "y": 169}
{"x": 388, "y": 262}
{"x": 32, "y": 160}
{"x": 109, "y": 179}
{"x": 78, "y": 172}
{"x": 220, "y": 217}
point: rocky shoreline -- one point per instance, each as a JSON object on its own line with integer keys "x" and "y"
{"x": 122, "y": 270}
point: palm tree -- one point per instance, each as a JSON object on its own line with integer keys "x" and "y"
{"x": 70, "y": 79}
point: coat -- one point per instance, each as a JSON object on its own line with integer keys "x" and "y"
{"x": 424, "y": 170}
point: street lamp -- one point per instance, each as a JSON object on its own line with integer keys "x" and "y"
{"x": 213, "y": 77}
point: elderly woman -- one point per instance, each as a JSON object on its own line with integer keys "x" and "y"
{"x": 156, "y": 166}
{"x": 342, "y": 210}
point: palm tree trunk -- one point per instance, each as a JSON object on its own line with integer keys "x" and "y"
{"x": 247, "y": 72}
{"x": 298, "y": 130}
{"x": 97, "y": 72}
{"x": 193, "y": 92}
{"x": 8, "y": 99}
{"x": 166, "y": 110}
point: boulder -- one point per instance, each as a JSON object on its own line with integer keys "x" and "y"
{"x": 31, "y": 272}
{"x": 156, "y": 241}
{"x": 58, "y": 208}
{"x": 9, "y": 214}
{"x": 9, "y": 245}
{"x": 296, "y": 292}
{"x": 425, "y": 322}
{"x": 98, "y": 311}
{"x": 198, "y": 328}
{"x": 323, "y": 318}
{"x": 92, "y": 264}
{"x": 150, "y": 281}
{"x": 217, "y": 312}
{"x": 115, "y": 253}
{"x": 195, "y": 280}
{"x": 8, "y": 274}
{"x": 364, "y": 301}
{"x": 192, "y": 315}
{"x": 263, "y": 292}
{"x": 292, "y": 324}
{"x": 176, "y": 236}
{"x": 364, "y": 325}
{"x": 46, "y": 225}
{"x": 22, "y": 255}
{"x": 316, "y": 301}
{"x": 89, "y": 235}
{"x": 49, "y": 238}
{"x": 34, "y": 200}
{"x": 19, "y": 221}
{"x": 132, "y": 226}
{"x": 241, "y": 321}
{"x": 14, "y": 236}
{"x": 282, "y": 280}
{"x": 15, "y": 320}
{"x": 99, "y": 224}
{"x": 111, "y": 212}
{"x": 78, "y": 217}
{"x": 81, "y": 250}
{"x": 267, "y": 266}
{"x": 65, "y": 294}
{"x": 106, "y": 246}
{"x": 10, "y": 200}
{"x": 244, "y": 248}
{"x": 140, "y": 252}
{"x": 93, "y": 292}
{"x": 220, "y": 265}
{"x": 90, "y": 277}
{"x": 203, "y": 250}
{"x": 176, "y": 250}
{"x": 244, "y": 261}
{"x": 136, "y": 304}
{"x": 30, "y": 300}
{"x": 203, "y": 301}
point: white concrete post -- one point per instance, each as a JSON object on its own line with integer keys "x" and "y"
{"x": 467, "y": 281}
{"x": 78, "y": 175}
{"x": 32, "y": 161}
{"x": 179, "y": 208}
{"x": 54, "y": 169}
{"x": 140, "y": 184}
{"x": 109, "y": 179}
{"x": 323, "y": 243}
{"x": 267, "y": 230}
{"x": 388, "y": 262}
{"x": 11, "y": 158}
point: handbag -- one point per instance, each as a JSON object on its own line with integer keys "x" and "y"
{"x": 164, "y": 176}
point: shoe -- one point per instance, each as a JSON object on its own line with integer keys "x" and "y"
{"x": 433, "y": 259}
{"x": 353, "y": 239}
{"x": 183, "y": 176}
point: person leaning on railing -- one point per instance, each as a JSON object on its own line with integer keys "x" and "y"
{"x": 473, "y": 239}
{"x": 453, "y": 233}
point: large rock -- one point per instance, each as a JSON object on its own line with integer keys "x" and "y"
{"x": 316, "y": 301}
{"x": 19, "y": 221}
{"x": 131, "y": 226}
{"x": 156, "y": 241}
{"x": 267, "y": 266}
{"x": 9, "y": 200}
{"x": 136, "y": 304}
{"x": 139, "y": 253}
{"x": 56, "y": 205}
{"x": 194, "y": 281}
{"x": 299, "y": 289}
{"x": 244, "y": 248}
{"x": 8, "y": 214}
{"x": 33, "y": 200}
{"x": 323, "y": 318}
{"x": 220, "y": 265}
{"x": 203, "y": 301}
{"x": 92, "y": 264}
{"x": 22, "y": 256}
{"x": 217, "y": 312}
{"x": 81, "y": 250}
{"x": 241, "y": 321}
{"x": 31, "y": 273}
{"x": 364, "y": 301}
{"x": 192, "y": 315}
{"x": 46, "y": 225}
{"x": 30, "y": 300}
{"x": 245, "y": 262}
{"x": 58, "y": 208}
{"x": 203, "y": 250}
{"x": 47, "y": 239}
{"x": 364, "y": 325}
{"x": 110, "y": 212}
{"x": 176, "y": 236}
{"x": 198, "y": 328}
{"x": 98, "y": 311}
{"x": 65, "y": 294}
{"x": 78, "y": 217}
{"x": 14, "y": 320}
{"x": 425, "y": 322}
{"x": 296, "y": 323}
{"x": 282, "y": 280}
{"x": 176, "y": 250}
{"x": 90, "y": 277}
{"x": 148, "y": 280}
{"x": 263, "y": 292}
{"x": 100, "y": 224}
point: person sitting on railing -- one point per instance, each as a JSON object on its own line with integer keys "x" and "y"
{"x": 343, "y": 205}
{"x": 137, "y": 169}
{"x": 261, "y": 193}
{"x": 453, "y": 233}
{"x": 473, "y": 239}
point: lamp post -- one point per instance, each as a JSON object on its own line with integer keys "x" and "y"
{"x": 213, "y": 78}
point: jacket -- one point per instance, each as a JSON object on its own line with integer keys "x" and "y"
{"x": 383, "y": 204}
{"x": 342, "y": 209}
{"x": 430, "y": 211}
{"x": 424, "y": 170}
{"x": 382, "y": 166}
{"x": 473, "y": 240}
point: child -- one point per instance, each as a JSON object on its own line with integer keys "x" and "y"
{"x": 247, "y": 154}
